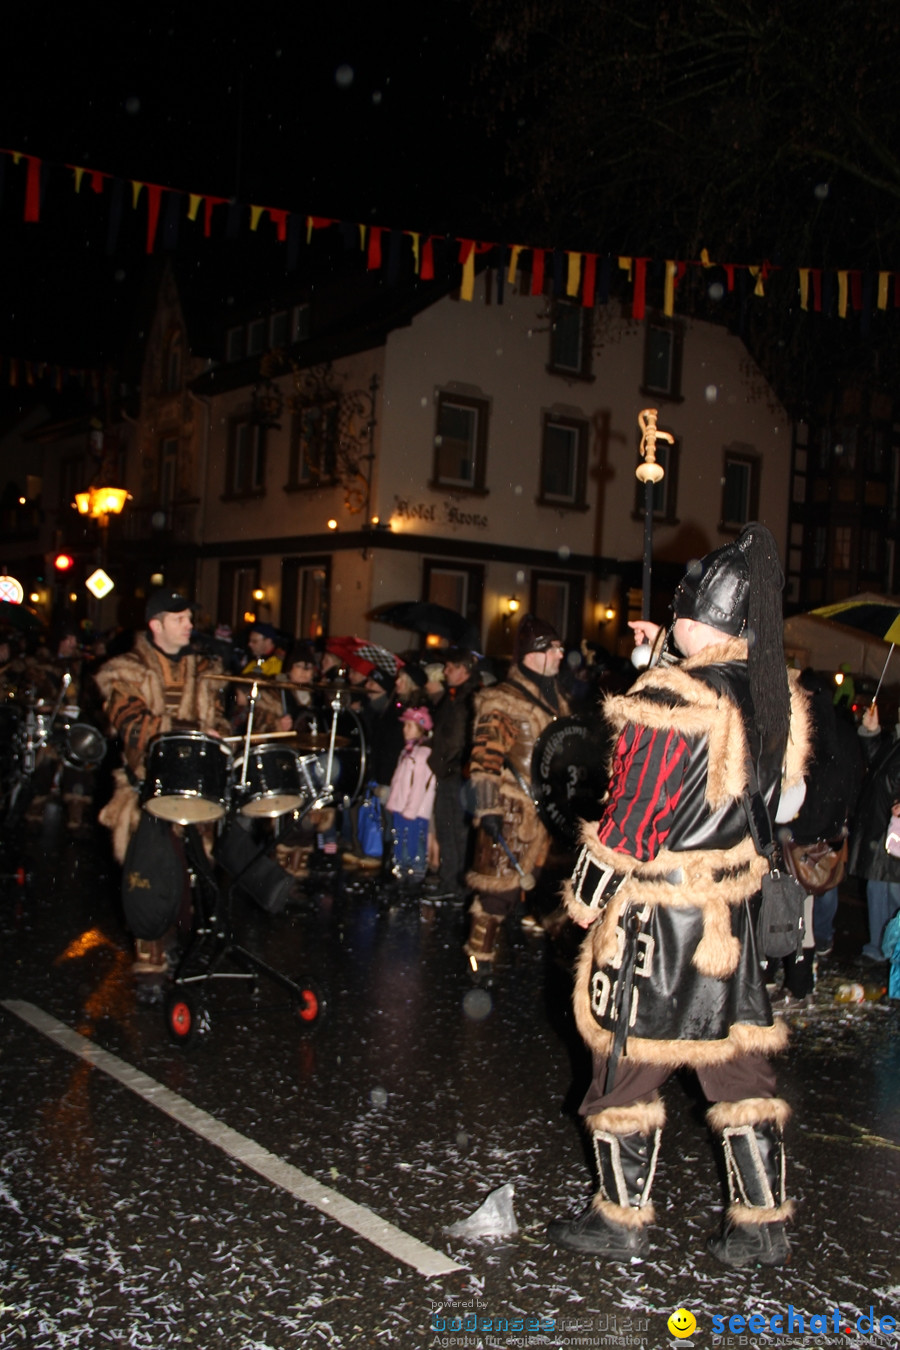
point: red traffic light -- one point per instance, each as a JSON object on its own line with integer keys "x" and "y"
{"x": 63, "y": 561}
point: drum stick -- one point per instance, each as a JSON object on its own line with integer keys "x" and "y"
{"x": 264, "y": 736}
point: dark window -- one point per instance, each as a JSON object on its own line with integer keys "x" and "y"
{"x": 234, "y": 344}
{"x": 237, "y": 582}
{"x": 740, "y": 490}
{"x": 305, "y": 596}
{"x": 173, "y": 376}
{"x": 662, "y": 359}
{"x": 564, "y": 462}
{"x": 570, "y": 341}
{"x": 168, "y": 471}
{"x": 246, "y": 469}
{"x": 279, "y": 328}
{"x": 558, "y": 598}
{"x": 460, "y": 443}
{"x": 842, "y": 548}
{"x": 665, "y": 492}
{"x": 313, "y": 452}
{"x": 456, "y": 586}
{"x": 300, "y": 330}
{"x": 256, "y": 337}
{"x": 72, "y": 479}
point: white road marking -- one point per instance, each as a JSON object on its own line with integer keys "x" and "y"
{"x": 358, "y": 1218}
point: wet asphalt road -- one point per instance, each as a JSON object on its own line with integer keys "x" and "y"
{"x": 121, "y": 1226}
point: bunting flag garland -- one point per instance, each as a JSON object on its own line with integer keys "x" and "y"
{"x": 16, "y": 370}
{"x": 574, "y": 273}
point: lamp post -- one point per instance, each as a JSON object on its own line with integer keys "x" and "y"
{"x": 649, "y": 472}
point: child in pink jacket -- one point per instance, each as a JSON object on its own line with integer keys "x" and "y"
{"x": 412, "y": 797}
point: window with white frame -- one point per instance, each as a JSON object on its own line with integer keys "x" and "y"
{"x": 665, "y": 492}
{"x": 313, "y": 450}
{"x": 256, "y": 337}
{"x": 460, "y": 442}
{"x": 563, "y": 461}
{"x": 570, "y": 340}
{"x": 740, "y": 489}
{"x": 246, "y": 466}
{"x": 662, "y": 358}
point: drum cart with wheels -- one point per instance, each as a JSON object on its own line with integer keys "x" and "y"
{"x": 213, "y": 954}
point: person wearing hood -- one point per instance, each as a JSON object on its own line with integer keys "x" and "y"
{"x": 668, "y": 887}
{"x": 512, "y": 842}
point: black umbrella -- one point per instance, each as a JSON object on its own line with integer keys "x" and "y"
{"x": 18, "y": 616}
{"x": 422, "y": 616}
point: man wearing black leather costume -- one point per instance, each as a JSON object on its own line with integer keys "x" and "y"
{"x": 668, "y": 885}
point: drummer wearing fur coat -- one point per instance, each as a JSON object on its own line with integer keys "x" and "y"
{"x": 509, "y": 718}
{"x": 667, "y": 886}
{"x": 154, "y": 688}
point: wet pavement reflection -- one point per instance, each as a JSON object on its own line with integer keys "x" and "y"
{"x": 415, "y": 1096}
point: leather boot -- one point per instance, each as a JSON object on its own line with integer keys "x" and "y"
{"x": 480, "y": 947}
{"x": 626, "y": 1145}
{"x": 753, "y": 1229}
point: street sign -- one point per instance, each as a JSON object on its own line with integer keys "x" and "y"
{"x": 99, "y": 584}
{"x": 11, "y": 590}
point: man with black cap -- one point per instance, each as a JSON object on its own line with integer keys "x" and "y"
{"x": 511, "y": 844}
{"x": 668, "y": 884}
{"x": 265, "y": 659}
{"x": 156, "y": 687}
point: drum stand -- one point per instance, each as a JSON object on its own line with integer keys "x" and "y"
{"x": 213, "y": 953}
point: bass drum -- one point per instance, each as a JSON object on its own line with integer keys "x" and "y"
{"x": 348, "y": 767}
{"x": 569, "y": 774}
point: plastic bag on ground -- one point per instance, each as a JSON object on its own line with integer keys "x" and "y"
{"x": 495, "y": 1218}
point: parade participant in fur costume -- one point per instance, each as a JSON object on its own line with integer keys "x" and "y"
{"x": 668, "y": 885}
{"x": 154, "y": 688}
{"x": 509, "y": 717}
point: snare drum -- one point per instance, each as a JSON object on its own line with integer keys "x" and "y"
{"x": 271, "y": 784}
{"x": 187, "y": 777}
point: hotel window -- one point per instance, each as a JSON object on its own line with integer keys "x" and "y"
{"x": 740, "y": 490}
{"x": 564, "y": 462}
{"x": 570, "y": 341}
{"x": 246, "y": 467}
{"x": 663, "y": 344}
{"x": 665, "y": 492}
{"x": 313, "y": 449}
{"x": 460, "y": 443}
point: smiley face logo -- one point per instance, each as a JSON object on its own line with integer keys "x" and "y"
{"x": 682, "y": 1323}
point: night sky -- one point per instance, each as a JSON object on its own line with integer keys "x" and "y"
{"x": 350, "y": 111}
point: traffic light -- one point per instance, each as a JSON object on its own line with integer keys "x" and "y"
{"x": 63, "y": 562}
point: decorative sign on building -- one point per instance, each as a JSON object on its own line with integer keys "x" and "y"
{"x": 439, "y": 513}
{"x": 99, "y": 584}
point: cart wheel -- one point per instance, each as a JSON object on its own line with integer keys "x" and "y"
{"x": 182, "y": 1021}
{"x": 311, "y": 1003}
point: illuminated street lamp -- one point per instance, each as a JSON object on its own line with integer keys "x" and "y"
{"x": 649, "y": 472}
{"x": 101, "y": 502}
